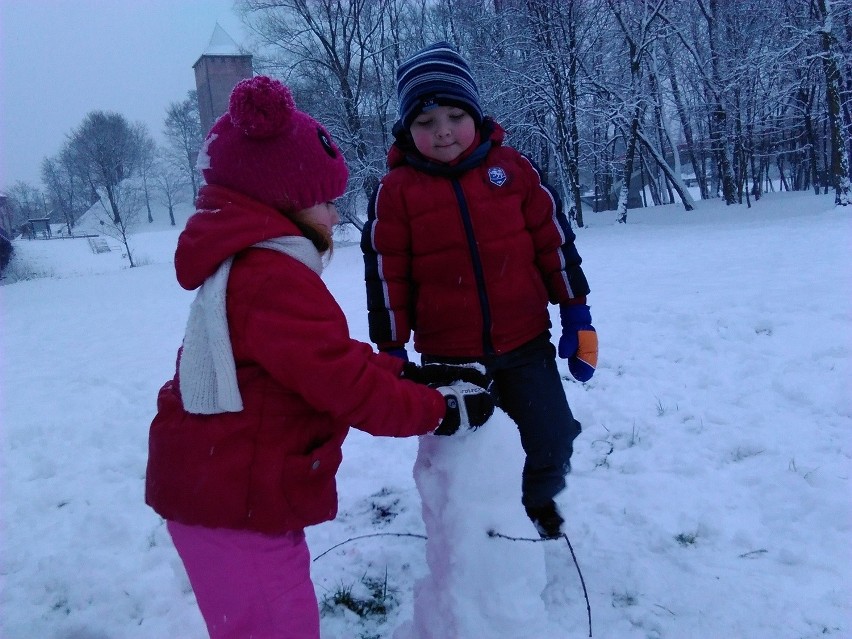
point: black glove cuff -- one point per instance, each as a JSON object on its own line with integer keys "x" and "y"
{"x": 411, "y": 372}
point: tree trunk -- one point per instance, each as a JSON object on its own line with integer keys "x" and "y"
{"x": 662, "y": 134}
{"x": 782, "y": 180}
{"x": 718, "y": 114}
{"x": 147, "y": 198}
{"x": 573, "y": 131}
{"x": 831, "y": 68}
{"x": 721, "y": 149}
{"x": 674, "y": 178}
{"x": 756, "y": 189}
{"x": 810, "y": 139}
{"x": 116, "y": 217}
{"x": 621, "y": 212}
{"x": 653, "y": 183}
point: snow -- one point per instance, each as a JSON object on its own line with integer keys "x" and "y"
{"x": 710, "y": 488}
{"x": 464, "y": 466}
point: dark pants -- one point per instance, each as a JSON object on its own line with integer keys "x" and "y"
{"x": 529, "y": 388}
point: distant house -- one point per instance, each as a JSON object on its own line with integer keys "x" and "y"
{"x": 38, "y": 227}
{"x": 6, "y": 230}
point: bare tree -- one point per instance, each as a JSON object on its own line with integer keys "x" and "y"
{"x": 703, "y": 34}
{"x": 555, "y": 30}
{"x": 182, "y": 129}
{"x": 637, "y": 26}
{"x": 147, "y": 161}
{"x": 685, "y": 120}
{"x": 27, "y": 202}
{"x": 107, "y": 150}
{"x": 128, "y": 196}
{"x": 832, "y": 66}
{"x": 600, "y": 91}
{"x": 65, "y": 188}
{"x": 170, "y": 184}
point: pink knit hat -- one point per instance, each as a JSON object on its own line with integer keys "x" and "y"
{"x": 264, "y": 147}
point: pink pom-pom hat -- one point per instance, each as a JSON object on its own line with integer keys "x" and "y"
{"x": 264, "y": 147}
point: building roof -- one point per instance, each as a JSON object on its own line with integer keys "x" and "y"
{"x": 222, "y": 44}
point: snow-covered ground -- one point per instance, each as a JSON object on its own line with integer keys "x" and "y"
{"x": 710, "y": 495}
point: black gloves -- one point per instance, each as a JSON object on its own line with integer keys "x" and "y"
{"x": 444, "y": 374}
{"x": 465, "y": 388}
{"x": 468, "y": 407}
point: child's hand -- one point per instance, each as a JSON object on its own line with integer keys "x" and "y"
{"x": 468, "y": 407}
{"x": 579, "y": 341}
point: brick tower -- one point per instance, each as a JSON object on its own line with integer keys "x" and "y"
{"x": 217, "y": 71}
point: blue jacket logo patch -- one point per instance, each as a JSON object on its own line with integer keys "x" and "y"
{"x": 497, "y": 176}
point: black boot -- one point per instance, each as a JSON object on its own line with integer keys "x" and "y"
{"x": 546, "y": 519}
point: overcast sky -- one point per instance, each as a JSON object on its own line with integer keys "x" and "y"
{"x": 61, "y": 59}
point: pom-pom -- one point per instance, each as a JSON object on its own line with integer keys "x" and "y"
{"x": 261, "y": 107}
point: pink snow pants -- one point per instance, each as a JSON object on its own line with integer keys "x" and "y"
{"x": 249, "y": 585}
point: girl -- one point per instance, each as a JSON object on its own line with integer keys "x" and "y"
{"x": 247, "y": 438}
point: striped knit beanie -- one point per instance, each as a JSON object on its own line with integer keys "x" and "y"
{"x": 435, "y": 76}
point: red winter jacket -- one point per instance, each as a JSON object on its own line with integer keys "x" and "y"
{"x": 467, "y": 255}
{"x": 303, "y": 380}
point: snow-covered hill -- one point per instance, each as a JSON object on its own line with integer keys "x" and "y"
{"x": 710, "y": 492}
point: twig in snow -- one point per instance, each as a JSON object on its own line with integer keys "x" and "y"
{"x": 387, "y": 534}
{"x": 494, "y": 533}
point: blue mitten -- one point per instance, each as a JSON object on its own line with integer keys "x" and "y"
{"x": 399, "y": 352}
{"x": 579, "y": 341}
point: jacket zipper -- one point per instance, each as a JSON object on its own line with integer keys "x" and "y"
{"x": 478, "y": 272}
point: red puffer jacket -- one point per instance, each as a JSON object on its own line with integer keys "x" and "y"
{"x": 271, "y": 467}
{"x": 467, "y": 255}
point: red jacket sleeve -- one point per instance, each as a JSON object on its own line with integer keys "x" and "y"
{"x": 386, "y": 245}
{"x": 556, "y": 255}
{"x": 298, "y": 333}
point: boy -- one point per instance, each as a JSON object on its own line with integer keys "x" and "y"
{"x": 465, "y": 246}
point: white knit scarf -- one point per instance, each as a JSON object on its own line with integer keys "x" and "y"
{"x": 208, "y": 373}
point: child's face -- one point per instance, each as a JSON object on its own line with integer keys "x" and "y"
{"x": 443, "y": 133}
{"x": 322, "y": 215}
